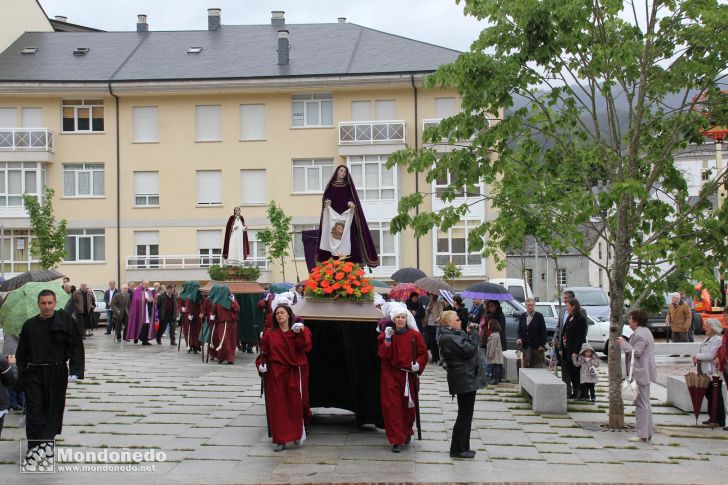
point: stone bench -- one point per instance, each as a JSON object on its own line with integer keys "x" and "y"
{"x": 678, "y": 395}
{"x": 510, "y": 366}
{"x": 677, "y": 348}
{"x": 547, "y": 391}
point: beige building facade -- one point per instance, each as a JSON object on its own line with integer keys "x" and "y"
{"x": 147, "y": 171}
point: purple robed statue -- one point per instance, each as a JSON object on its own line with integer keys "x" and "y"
{"x": 141, "y": 317}
{"x": 343, "y": 224}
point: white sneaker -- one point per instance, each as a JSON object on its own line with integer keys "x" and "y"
{"x": 637, "y": 439}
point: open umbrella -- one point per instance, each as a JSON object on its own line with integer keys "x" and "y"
{"x": 380, "y": 287}
{"x": 697, "y": 384}
{"x": 433, "y": 285}
{"x": 402, "y": 291}
{"x": 280, "y": 287}
{"x": 487, "y": 291}
{"x": 408, "y": 275}
{"x": 22, "y": 304}
{"x": 28, "y": 276}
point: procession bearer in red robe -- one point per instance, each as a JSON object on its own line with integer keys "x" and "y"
{"x": 399, "y": 371}
{"x": 281, "y": 362}
{"x": 224, "y": 317}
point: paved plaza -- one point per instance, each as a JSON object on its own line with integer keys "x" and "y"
{"x": 209, "y": 420}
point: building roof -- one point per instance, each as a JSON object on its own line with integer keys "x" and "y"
{"x": 231, "y": 52}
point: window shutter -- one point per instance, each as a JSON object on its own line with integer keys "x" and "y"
{"x": 146, "y": 238}
{"x": 208, "y": 123}
{"x": 146, "y": 183}
{"x": 253, "y": 186}
{"x": 360, "y": 111}
{"x": 209, "y": 187}
{"x": 8, "y": 118}
{"x": 252, "y": 121}
{"x": 209, "y": 239}
{"x": 144, "y": 121}
{"x": 444, "y": 107}
{"x": 32, "y": 117}
{"x": 384, "y": 110}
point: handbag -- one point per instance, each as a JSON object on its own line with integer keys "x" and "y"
{"x": 630, "y": 391}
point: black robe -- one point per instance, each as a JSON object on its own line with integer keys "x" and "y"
{"x": 45, "y": 347}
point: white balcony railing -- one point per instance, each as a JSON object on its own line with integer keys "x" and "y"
{"x": 429, "y": 123}
{"x": 26, "y": 139}
{"x": 184, "y": 261}
{"x": 371, "y": 132}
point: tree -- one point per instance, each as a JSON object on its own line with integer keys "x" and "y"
{"x": 569, "y": 155}
{"x": 451, "y": 272}
{"x": 277, "y": 239}
{"x": 49, "y": 241}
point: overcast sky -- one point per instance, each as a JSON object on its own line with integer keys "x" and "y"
{"x": 439, "y": 22}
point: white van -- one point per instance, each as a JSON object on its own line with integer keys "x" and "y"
{"x": 516, "y": 287}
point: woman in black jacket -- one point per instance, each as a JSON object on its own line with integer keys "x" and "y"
{"x": 417, "y": 309}
{"x": 465, "y": 375}
{"x": 573, "y": 336}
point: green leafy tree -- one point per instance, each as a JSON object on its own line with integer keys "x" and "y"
{"x": 571, "y": 113}
{"x": 277, "y": 239}
{"x": 451, "y": 272}
{"x": 49, "y": 241}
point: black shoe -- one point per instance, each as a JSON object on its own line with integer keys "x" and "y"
{"x": 408, "y": 440}
{"x": 396, "y": 448}
{"x": 136, "y": 341}
{"x": 159, "y": 342}
{"x": 17, "y": 407}
{"x": 469, "y": 455}
{"x": 145, "y": 342}
{"x": 107, "y": 333}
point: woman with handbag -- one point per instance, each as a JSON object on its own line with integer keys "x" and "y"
{"x": 641, "y": 345}
{"x": 704, "y": 360}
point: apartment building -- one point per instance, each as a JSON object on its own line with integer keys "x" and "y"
{"x": 150, "y": 139}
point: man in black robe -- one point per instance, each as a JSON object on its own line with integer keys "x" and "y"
{"x": 50, "y": 354}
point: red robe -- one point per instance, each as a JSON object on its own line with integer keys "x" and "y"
{"x": 398, "y": 416}
{"x": 285, "y": 355}
{"x": 190, "y": 328}
{"x": 225, "y": 335}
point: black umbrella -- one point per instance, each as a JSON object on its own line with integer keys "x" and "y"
{"x": 486, "y": 291}
{"x": 408, "y": 275}
{"x": 28, "y": 276}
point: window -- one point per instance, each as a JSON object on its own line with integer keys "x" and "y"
{"x": 561, "y": 276}
{"x": 360, "y": 111}
{"x": 252, "y": 187}
{"x": 208, "y": 123}
{"x": 310, "y": 176}
{"x": 601, "y": 278}
{"x": 298, "y": 252}
{"x": 146, "y": 246}
{"x": 144, "y": 121}
{"x": 32, "y": 117}
{"x": 257, "y": 251}
{"x": 452, "y": 246}
{"x": 529, "y": 277}
{"x": 146, "y": 189}
{"x": 308, "y": 110}
{"x": 209, "y": 187}
{"x": 18, "y": 178}
{"x": 444, "y": 107}
{"x": 600, "y": 250}
{"x": 384, "y": 110}
{"x": 209, "y": 247}
{"x": 373, "y": 180}
{"x": 83, "y": 115}
{"x": 385, "y": 243}
{"x": 441, "y": 184}
{"x": 85, "y": 245}
{"x": 252, "y": 122}
{"x": 83, "y": 180}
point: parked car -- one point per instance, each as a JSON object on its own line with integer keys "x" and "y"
{"x": 512, "y": 310}
{"x": 517, "y": 287}
{"x": 597, "y": 334}
{"x": 656, "y": 322}
{"x": 593, "y": 300}
{"x": 100, "y": 304}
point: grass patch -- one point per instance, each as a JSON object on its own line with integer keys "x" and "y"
{"x": 615, "y": 447}
{"x": 520, "y": 458}
{"x": 576, "y": 436}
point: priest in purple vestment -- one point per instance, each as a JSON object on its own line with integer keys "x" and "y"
{"x": 141, "y": 315}
{"x": 340, "y": 195}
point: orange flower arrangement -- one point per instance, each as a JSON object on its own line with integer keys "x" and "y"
{"x": 336, "y": 279}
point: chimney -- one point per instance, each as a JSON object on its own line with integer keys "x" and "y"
{"x": 213, "y": 18}
{"x": 61, "y": 18}
{"x": 283, "y": 48}
{"x": 277, "y": 17}
{"x": 342, "y": 20}
{"x": 142, "y": 25}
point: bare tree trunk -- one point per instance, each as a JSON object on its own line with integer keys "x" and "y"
{"x": 619, "y": 270}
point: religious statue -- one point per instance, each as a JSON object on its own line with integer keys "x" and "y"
{"x": 236, "y": 247}
{"x": 343, "y": 231}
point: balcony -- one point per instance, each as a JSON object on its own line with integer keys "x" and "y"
{"x": 181, "y": 267}
{"x": 443, "y": 146}
{"x": 371, "y": 133}
{"x": 26, "y": 144}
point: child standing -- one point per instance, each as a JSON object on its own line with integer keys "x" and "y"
{"x": 587, "y": 363}
{"x": 494, "y": 351}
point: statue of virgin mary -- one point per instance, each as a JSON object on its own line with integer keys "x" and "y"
{"x": 343, "y": 231}
{"x": 236, "y": 247}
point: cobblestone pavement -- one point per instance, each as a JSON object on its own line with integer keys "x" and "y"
{"x": 209, "y": 420}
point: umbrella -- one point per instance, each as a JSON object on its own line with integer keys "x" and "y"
{"x": 486, "y": 291}
{"x": 697, "y": 384}
{"x": 22, "y": 304}
{"x": 402, "y": 291}
{"x": 28, "y": 276}
{"x": 433, "y": 285}
{"x": 380, "y": 287}
{"x": 280, "y": 287}
{"x": 408, "y": 275}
